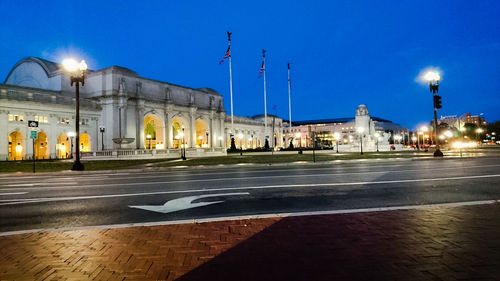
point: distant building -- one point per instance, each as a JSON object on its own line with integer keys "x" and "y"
{"x": 301, "y": 132}
{"x": 453, "y": 121}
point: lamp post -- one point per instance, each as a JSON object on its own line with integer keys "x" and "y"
{"x": 148, "y": 137}
{"x": 413, "y": 138}
{"x": 183, "y": 148}
{"x": 360, "y": 131}
{"x": 77, "y": 76}
{"x": 206, "y": 133}
{"x": 240, "y": 137}
{"x": 337, "y": 137}
{"x": 377, "y": 135}
{"x": 433, "y": 78}
{"x": 102, "y": 129}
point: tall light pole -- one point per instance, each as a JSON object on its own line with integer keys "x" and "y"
{"x": 102, "y": 129}
{"x": 148, "y": 137}
{"x": 77, "y": 77}
{"x": 183, "y": 148}
{"x": 240, "y": 137}
{"x": 360, "y": 131}
{"x": 337, "y": 137}
{"x": 433, "y": 78}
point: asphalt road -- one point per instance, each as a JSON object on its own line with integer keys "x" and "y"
{"x": 72, "y": 199}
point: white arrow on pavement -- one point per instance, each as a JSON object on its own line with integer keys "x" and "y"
{"x": 185, "y": 203}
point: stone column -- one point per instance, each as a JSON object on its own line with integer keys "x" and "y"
{"x": 139, "y": 134}
{"x": 222, "y": 131}
{"x": 4, "y": 140}
{"x": 192, "y": 129}
{"x": 212, "y": 136}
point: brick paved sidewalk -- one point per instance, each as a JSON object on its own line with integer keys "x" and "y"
{"x": 433, "y": 244}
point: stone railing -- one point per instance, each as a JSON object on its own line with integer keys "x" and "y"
{"x": 153, "y": 153}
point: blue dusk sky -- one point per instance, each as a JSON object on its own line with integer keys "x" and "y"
{"x": 342, "y": 53}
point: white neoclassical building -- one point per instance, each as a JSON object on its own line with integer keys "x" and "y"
{"x": 121, "y": 114}
{"x": 348, "y": 132}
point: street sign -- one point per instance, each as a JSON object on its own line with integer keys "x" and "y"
{"x": 32, "y": 124}
{"x": 34, "y": 135}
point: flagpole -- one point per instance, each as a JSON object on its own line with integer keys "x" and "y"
{"x": 231, "y": 86}
{"x": 265, "y": 100}
{"x": 289, "y": 101}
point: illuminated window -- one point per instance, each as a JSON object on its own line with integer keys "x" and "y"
{"x": 15, "y": 117}
{"x": 42, "y": 119}
{"x": 64, "y": 121}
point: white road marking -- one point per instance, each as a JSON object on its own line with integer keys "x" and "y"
{"x": 21, "y": 184}
{"x": 184, "y": 203}
{"x": 13, "y": 193}
{"x": 53, "y": 199}
{"x": 261, "y": 216}
{"x": 45, "y": 185}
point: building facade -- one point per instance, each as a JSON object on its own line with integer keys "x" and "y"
{"x": 119, "y": 111}
{"x": 347, "y": 132}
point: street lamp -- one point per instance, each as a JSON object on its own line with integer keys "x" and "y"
{"x": 360, "y": 131}
{"x": 148, "y": 137}
{"x": 183, "y": 148}
{"x": 433, "y": 78}
{"x": 377, "y": 135}
{"x": 77, "y": 76}
{"x": 337, "y": 137}
{"x": 207, "y": 139}
{"x": 102, "y": 129}
{"x": 240, "y": 137}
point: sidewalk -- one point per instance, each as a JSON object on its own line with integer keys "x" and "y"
{"x": 459, "y": 243}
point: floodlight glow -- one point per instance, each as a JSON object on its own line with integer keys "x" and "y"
{"x": 70, "y": 64}
{"x": 432, "y": 76}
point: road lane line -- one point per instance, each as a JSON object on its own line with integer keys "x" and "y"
{"x": 13, "y": 193}
{"x": 53, "y": 199}
{"x": 260, "y": 216}
{"x": 45, "y": 185}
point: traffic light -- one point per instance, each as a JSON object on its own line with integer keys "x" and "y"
{"x": 437, "y": 101}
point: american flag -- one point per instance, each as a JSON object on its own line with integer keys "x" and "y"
{"x": 228, "y": 54}
{"x": 262, "y": 68}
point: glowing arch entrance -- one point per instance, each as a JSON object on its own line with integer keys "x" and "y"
{"x": 153, "y": 132}
{"x": 63, "y": 146}
{"x": 42, "y": 149}
{"x": 179, "y": 132}
{"x": 84, "y": 142}
{"x": 201, "y": 133}
{"x": 16, "y": 146}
